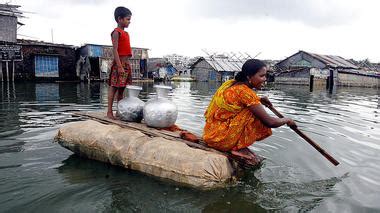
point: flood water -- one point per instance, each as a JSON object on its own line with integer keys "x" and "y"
{"x": 37, "y": 175}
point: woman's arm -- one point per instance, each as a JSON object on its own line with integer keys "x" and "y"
{"x": 259, "y": 112}
{"x": 265, "y": 101}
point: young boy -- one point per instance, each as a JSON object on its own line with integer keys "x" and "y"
{"x": 121, "y": 73}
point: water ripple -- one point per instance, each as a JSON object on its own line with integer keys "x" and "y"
{"x": 295, "y": 177}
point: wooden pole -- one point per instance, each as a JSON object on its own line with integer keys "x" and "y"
{"x": 327, "y": 82}
{"x": 14, "y": 90}
{"x": 8, "y": 93}
{"x": 2, "y": 90}
{"x": 311, "y": 83}
{"x": 1, "y": 71}
{"x": 331, "y": 83}
{"x": 13, "y": 71}
{"x": 307, "y": 139}
{"x": 7, "y": 70}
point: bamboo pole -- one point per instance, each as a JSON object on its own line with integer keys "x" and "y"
{"x": 7, "y": 70}
{"x": 13, "y": 71}
{"x": 1, "y": 71}
{"x": 307, "y": 139}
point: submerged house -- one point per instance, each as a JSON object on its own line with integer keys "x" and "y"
{"x": 29, "y": 59}
{"x": 160, "y": 69}
{"x": 37, "y": 60}
{"x": 97, "y": 59}
{"x": 46, "y": 61}
{"x": 215, "y": 69}
{"x": 10, "y": 51}
{"x": 307, "y": 68}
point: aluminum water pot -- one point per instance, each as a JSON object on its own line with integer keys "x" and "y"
{"x": 131, "y": 107}
{"x": 160, "y": 112}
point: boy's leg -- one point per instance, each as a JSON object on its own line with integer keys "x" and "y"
{"x": 120, "y": 93}
{"x": 111, "y": 94}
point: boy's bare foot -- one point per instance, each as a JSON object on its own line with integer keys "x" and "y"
{"x": 110, "y": 116}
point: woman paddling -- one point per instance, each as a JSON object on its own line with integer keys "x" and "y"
{"x": 236, "y": 118}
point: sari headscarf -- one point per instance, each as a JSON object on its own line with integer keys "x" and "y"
{"x": 218, "y": 99}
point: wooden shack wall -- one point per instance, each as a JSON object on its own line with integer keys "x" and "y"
{"x": 301, "y": 77}
{"x": 354, "y": 80}
{"x": 25, "y": 69}
{"x": 9, "y": 23}
{"x": 203, "y": 71}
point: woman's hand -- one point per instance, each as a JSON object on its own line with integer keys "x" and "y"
{"x": 265, "y": 101}
{"x": 290, "y": 123}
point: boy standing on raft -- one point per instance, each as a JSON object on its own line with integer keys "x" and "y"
{"x": 121, "y": 73}
{"x": 236, "y": 118}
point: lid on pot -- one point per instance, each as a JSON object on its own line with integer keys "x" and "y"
{"x": 162, "y": 87}
{"x": 134, "y": 87}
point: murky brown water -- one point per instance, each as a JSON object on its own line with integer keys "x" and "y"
{"x": 37, "y": 175}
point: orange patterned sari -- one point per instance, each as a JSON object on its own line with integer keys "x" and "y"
{"x": 230, "y": 125}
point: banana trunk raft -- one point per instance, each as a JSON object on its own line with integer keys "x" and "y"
{"x": 155, "y": 152}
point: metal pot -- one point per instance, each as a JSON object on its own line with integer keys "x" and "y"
{"x": 160, "y": 112}
{"x": 131, "y": 107}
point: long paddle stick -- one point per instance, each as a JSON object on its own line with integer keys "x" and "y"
{"x": 309, "y": 140}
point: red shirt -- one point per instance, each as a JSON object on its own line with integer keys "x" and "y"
{"x": 124, "y": 48}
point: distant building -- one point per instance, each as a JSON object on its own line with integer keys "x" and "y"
{"x": 10, "y": 51}
{"x": 46, "y": 61}
{"x": 37, "y": 60}
{"x": 367, "y": 65}
{"x": 160, "y": 69}
{"x": 179, "y": 62}
{"x": 215, "y": 69}
{"x": 31, "y": 60}
{"x": 302, "y": 67}
{"x": 9, "y": 15}
{"x": 100, "y": 58}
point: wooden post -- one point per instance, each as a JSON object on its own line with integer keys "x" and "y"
{"x": 331, "y": 83}
{"x": 311, "y": 84}
{"x": 14, "y": 90}
{"x": 1, "y": 71}
{"x": 13, "y": 71}
{"x": 8, "y": 93}
{"x": 2, "y": 90}
{"x": 327, "y": 82}
{"x": 7, "y": 70}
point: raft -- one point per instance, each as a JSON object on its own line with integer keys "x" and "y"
{"x": 155, "y": 152}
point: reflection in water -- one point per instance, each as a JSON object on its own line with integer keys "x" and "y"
{"x": 14, "y": 147}
{"x": 129, "y": 191}
{"x": 294, "y": 176}
{"x": 47, "y": 92}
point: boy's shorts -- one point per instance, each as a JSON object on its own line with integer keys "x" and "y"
{"x": 123, "y": 79}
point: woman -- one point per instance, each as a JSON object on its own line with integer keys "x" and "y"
{"x": 236, "y": 118}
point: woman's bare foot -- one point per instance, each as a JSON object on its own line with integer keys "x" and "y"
{"x": 244, "y": 153}
{"x": 110, "y": 115}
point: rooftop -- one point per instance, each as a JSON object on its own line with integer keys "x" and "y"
{"x": 42, "y": 43}
{"x": 222, "y": 64}
{"x": 10, "y": 10}
{"x": 329, "y": 60}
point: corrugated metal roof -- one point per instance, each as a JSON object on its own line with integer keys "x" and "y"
{"x": 10, "y": 10}
{"x": 224, "y": 64}
{"x": 26, "y": 42}
{"x": 333, "y": 61}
